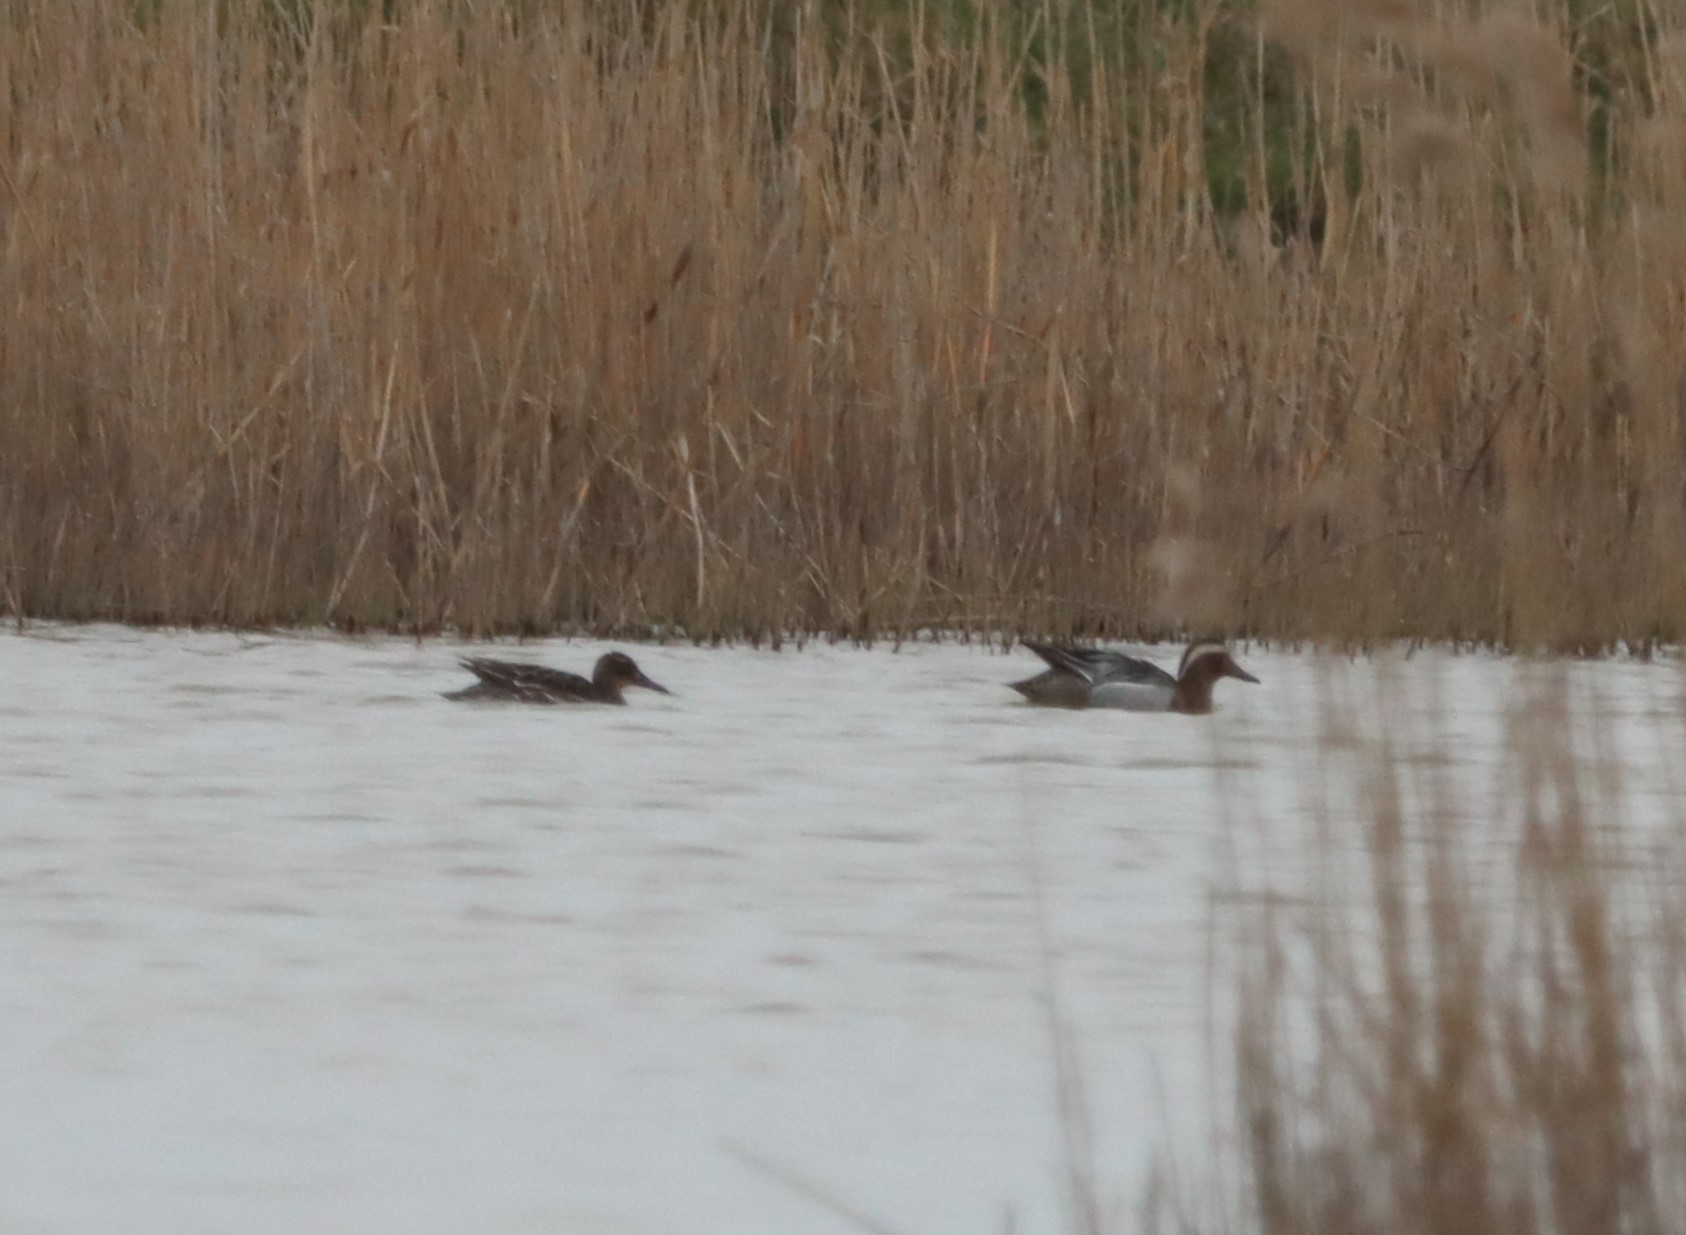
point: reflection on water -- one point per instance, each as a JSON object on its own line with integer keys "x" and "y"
{"x": 278, "y": 920}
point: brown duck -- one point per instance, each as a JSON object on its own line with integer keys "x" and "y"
{"x": 520, "y": 683}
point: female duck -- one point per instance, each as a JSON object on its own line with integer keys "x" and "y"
{"x": 1093, "y": 678}
{"x": 502, "y": 679}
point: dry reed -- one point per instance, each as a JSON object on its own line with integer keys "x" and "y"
{"x": 1476, "y": 1020}
{"x": 701, "y": 319}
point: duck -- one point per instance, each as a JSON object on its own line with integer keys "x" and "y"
{"x": 522, "y": 683}
{"x": 1079, "y": 677}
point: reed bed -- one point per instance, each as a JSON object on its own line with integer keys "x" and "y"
{"x": 1323, "y": 321}
{"x": 1471, "y": 1014}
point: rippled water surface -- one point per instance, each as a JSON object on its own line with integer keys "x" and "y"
{"x": 290, "y": 943}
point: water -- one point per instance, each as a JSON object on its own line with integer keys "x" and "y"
{"x": 289, "y": 943}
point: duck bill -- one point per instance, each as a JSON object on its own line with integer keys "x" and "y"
{"x": 1236, "y": 671}
{"x": 647, "y": 684}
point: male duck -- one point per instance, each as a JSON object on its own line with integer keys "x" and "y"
{"x": 501, "y": 679}
{"x": 1094, "y": 678}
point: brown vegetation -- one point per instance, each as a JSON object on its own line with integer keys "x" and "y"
{"x": 510, "y": 317}
{"x": 1473, "y": 1016}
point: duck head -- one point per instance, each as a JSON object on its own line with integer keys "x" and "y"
{"x": 1202, "y": 665}
{"x": 616, "y": 670}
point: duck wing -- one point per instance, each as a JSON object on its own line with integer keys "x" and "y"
{"x": 529, "y": 683}
{"x": 1100, "y": 667}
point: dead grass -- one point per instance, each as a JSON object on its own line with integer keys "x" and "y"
{"x": 1477, "y": 1021}
{"x": 525, "y": 318}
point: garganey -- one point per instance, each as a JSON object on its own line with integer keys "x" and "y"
{"x": 1095, "y": 678}
{"x": 501, "y": 679}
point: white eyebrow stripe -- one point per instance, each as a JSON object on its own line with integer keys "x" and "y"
{"x": 1196, "y": 651}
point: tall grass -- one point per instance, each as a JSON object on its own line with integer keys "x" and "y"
{"x": 1477, "y": 1020}
{"x": 1336, "y": 321}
